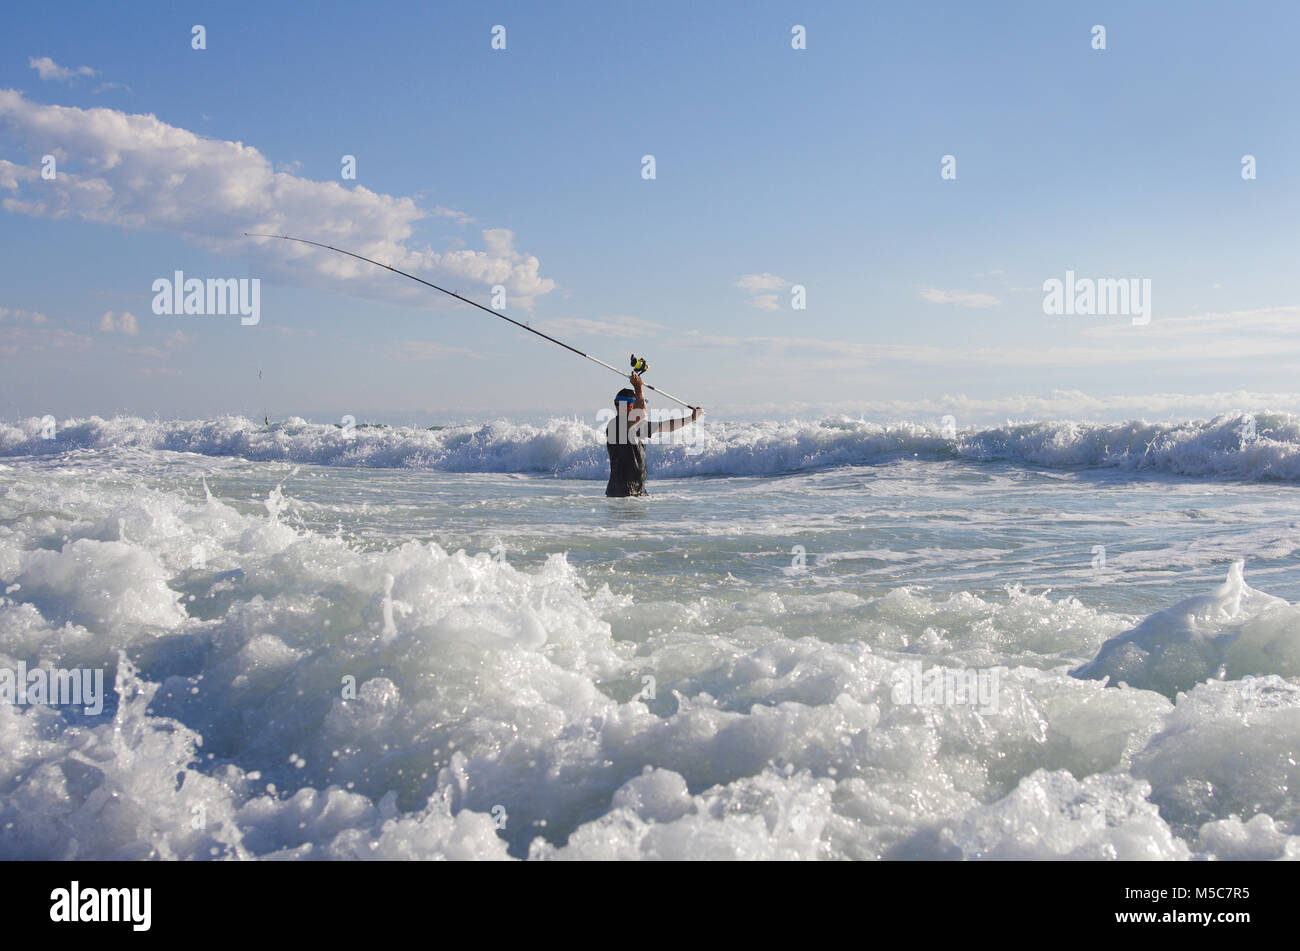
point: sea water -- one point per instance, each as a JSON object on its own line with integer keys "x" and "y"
{"x": 815, "y": 640}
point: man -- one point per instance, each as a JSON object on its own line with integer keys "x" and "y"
{"x": 625, "y": 438}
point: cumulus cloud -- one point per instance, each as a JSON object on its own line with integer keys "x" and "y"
{"x": 757, "y": 283}
{"x": 760, "y": 288}
{"x": 29, "y": 317}
{"x": 959, "y": 298}
{"x": 27, "y": 331}
{"x": 48, "y": 70}
{"x": 123, "y": 323}
{"x": 138, "y": 172}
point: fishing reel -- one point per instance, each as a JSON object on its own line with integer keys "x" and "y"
{"x": 639, "y": 365}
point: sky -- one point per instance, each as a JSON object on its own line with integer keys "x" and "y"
{"x": 917, "y": 172}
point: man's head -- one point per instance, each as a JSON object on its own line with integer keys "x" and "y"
{"x": 624, "y": 399}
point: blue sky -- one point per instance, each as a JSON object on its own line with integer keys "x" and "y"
{"x": 818, "y": 167}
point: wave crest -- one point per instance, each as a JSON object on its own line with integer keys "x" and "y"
{"x": 1261, "y": 447}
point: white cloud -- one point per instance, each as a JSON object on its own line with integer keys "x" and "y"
{"x": 135, "y": 171}
{"x": 29, "y": 317}
{"x": 1076, "y": 404}
{"x": 177, "y": 338}
{"x": 25, "y": 331}
{"x": 289, "y": 333}
{"x": 760, "y": 287}
{"x": 1058, "y": 404}
{"x": 48, "y": 70}
{"x": 1246, "y": 325}
{"x": 123, "y": 323}
{"x": 1105, "y": 342}
{"x": 959, "y": 298}
{"x": 757, "y": 283}
{"x": 407, "y": 351}
{"x": 610, "y": 327}
{"x": 458, "y": 216}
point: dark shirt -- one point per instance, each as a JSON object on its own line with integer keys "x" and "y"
{"x": 627, "y": 469}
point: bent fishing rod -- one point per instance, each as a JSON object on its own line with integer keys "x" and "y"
{"x": 637, "y": 365}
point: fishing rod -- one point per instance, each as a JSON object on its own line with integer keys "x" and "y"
{"x": 638, "y": 365}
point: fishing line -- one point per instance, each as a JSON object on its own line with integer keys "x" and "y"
{"x": 494, "y": 313}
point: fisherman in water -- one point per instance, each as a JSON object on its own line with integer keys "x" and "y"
{"x": 626, "y": 435}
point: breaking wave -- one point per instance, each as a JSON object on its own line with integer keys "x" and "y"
{"x": 1260, "y": 447}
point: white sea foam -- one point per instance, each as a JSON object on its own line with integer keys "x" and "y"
{"x": 1233, "y": 631}
{"x": 499, "y": 709}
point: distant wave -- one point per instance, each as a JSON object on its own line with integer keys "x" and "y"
{"x": 1220, "y": 448}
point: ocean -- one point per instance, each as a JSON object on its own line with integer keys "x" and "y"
{"x": 817, "y": 639}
